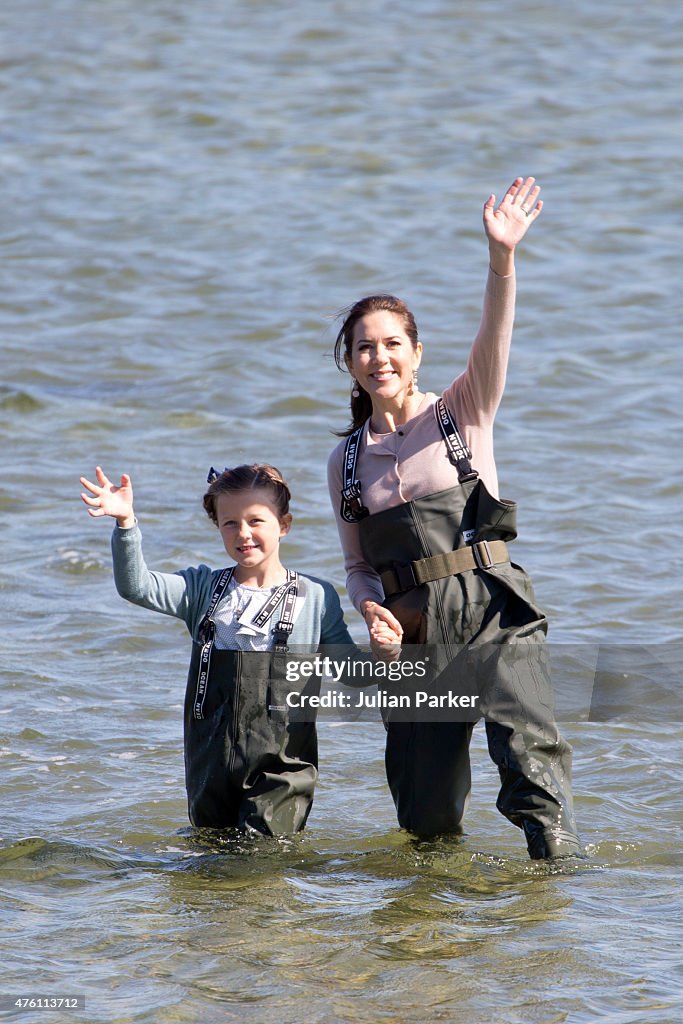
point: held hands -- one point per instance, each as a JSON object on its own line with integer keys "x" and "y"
{"x": 507, "y": 224}
{"x": 109, "y": 500}
{"x": 385, "y": 630}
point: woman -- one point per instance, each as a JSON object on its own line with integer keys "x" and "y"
{"x": 425, "y": 535}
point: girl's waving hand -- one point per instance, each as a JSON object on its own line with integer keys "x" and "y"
{"x": 108, "y": 499}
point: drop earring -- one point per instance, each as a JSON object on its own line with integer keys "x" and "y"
{"x": 413, "y": 383}
{"x": 355, "y": 393}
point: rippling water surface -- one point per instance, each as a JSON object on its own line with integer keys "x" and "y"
{"x": 191, "y": 191}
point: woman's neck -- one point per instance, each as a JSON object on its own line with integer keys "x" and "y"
{"x": 386, "y": 417}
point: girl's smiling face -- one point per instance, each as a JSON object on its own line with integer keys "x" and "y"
{"x": 251, "y": 529}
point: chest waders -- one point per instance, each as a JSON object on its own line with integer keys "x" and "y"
{"x": 246, "y": 764}
{"x": 448, "y": 579}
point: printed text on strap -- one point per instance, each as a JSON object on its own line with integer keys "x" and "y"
{"x": 458, "y": 452}
{"x": 352, "y": 508}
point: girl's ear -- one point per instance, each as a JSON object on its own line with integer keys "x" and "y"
{"x": 285, "y": 524}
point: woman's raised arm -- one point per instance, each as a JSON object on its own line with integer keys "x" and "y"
{"x": 475, "y": 395}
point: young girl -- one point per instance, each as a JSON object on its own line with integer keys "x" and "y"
{"x": 246, "y": 764}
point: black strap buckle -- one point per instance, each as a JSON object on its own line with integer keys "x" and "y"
{"x": 352, "y": 508}
{"x": 280, "y": 634}
{"x": 465, "y": 471}
{"x": 207, "y": 631}
{"x": 404, "y": 575}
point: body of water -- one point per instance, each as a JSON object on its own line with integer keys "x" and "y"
{"x": 191, "y": 192}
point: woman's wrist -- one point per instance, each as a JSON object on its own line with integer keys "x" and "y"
{"x": 501, "y": 260}
{"x": 126, "y": 522}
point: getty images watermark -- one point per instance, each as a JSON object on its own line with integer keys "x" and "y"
{"x": 365, "y": 673}
{"x": 351, "y": 683}
{"x": 572, "y": 682}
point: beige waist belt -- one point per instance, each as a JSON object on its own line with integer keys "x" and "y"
{"x": 482, "y": 555}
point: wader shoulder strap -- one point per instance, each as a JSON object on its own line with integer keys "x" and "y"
{"x": 290, "y": 590}
{"x": 458, "y": 452}
{"x": 284, "y": 627}
{"x": 206, "y": 634}
{"x": 352, "y": 509}
{"x": 220, "y": 587}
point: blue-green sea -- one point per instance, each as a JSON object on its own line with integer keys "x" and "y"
{"x": 190, "y": 194}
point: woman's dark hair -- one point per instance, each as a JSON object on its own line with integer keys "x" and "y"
{"x": 247, "y": 478}
{"x": 361, "y": 407}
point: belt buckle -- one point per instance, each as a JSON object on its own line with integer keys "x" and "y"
{"x": 476, "y": 551}
{"x": 405, "y": 576}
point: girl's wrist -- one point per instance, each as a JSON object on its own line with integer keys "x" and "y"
{"x": 126, "y": 522}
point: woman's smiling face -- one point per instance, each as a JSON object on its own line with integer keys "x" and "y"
{"x": 383, "y": 358}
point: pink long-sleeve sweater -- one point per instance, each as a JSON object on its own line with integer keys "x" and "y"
{"x": 412, "y": 462}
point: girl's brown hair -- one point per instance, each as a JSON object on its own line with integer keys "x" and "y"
{"x": 361, "y": 407}
{"x": 247, "y": 478}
